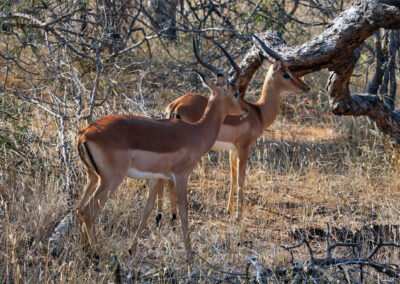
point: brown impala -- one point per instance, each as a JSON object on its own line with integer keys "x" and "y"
{"x": 117, "y": 146}
{"x": 236, "y": 134}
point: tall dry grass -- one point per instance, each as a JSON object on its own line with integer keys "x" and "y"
{"x": 298, "y": 177}
{"x": 309, "y": 169}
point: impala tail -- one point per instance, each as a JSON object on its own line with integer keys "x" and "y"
{"x": 86, "y": 156}
{"x": 171, "y": 110}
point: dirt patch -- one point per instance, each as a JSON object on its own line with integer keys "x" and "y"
{"x": 296, "y": 133}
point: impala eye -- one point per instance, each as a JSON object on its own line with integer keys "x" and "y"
{"x": 286, "y": 75}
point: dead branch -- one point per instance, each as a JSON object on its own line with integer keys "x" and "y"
{"x": 337, "y": 49}
{"x": 317, "y": 265}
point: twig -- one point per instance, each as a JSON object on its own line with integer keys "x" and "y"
{"x": 218, "y": 269}
{"x": 59, "y": 232}
{"x": 319, "y": 264}
{"x": 253, "y": 261}
{"x": 251, "y": 15}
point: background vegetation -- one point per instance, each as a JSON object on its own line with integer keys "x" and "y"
{"x": 65, "y": 63}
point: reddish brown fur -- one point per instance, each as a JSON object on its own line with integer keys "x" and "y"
{"x": 242, "y": 133}
{"x": 115, "y": 146}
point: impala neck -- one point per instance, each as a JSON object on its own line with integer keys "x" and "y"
{"x": 270, "y": 100}
{"x": 209, "y": 125}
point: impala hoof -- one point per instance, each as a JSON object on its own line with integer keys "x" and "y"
{"x": 158, "y": 218}
{"x": 132, "y": 250}
{"x": 95, "y": 258}
{"x": 173, "y": 222}
{"x": 92, "y": 255}
{"x": 189, "y": 256}
{"x": 173, "y": 219}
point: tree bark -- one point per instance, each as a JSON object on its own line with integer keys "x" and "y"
{"x": 376, "y": 81}
{"x": 337, "y": 48}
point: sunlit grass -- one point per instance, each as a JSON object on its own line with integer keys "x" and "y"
{"x": 309, "y": 168}
{"x": 298, "y": 177}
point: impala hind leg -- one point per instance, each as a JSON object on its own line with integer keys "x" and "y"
{"x": 233, "y": 161}
{"x": 92, "y": 181}
{"x": 88, "y": 212}
{"x": 154, "y": 189}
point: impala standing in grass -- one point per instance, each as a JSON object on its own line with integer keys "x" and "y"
{"x": 114, "y": 147}
{"x": 237, "y": 134}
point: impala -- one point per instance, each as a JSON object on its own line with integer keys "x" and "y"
{"x": 237, "y": 134}
{"x": 117, "y": 146}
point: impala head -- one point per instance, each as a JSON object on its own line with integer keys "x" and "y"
{"x": 280, "y": 73}
{"x": 223, "y": 88}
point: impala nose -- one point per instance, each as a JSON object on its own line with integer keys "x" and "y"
{"x": 245, "y": 113}
{"x": 245, "y": 109}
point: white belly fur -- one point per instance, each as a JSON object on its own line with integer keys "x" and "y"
{"x": 134, "y": 173}
{"x": 219, "y": 145}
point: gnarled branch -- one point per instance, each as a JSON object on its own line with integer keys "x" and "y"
{"x": 337, "y": 48}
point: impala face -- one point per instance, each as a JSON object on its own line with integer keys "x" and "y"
{"x": 279, "y": 72}
{"x": 286, "y": 79}
{"x": 228, "y": 93}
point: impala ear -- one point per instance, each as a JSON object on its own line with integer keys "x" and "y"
{"x": 261, "y": 56}
{"x": 277, "y": 65}
{"x": 204, "y": 80}
{"x": 221, "y": 81}
{"x": 264, "y": 59}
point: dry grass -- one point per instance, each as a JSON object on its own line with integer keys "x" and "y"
{"x": 309, "y": 169}
{"x": 298, "y": 177}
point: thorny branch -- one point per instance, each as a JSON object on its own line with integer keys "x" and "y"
{"x": 328, "y": 262}
{"x": 341, "y": 269}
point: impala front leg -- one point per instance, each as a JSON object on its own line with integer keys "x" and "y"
{"x": 234, "y": 181}
{"x": 160, "y": 201}
{"x": 181, "y": 193}
{"x": 242, "y": 175}
{"x": 154, "y": 189}
{"x": 172, "y": 199}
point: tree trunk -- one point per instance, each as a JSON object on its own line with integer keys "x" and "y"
{"x": 164, "y": 12}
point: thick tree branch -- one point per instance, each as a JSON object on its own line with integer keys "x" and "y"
{"x": 337, "y": 48}
{"x": 345, "y": 33}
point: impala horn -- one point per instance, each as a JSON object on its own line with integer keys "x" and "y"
{"x": 209, "y": 66}
{"x": 235, "y": 66}
{"x": 214, "y": 69}
{"x": 269, "y": 51}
